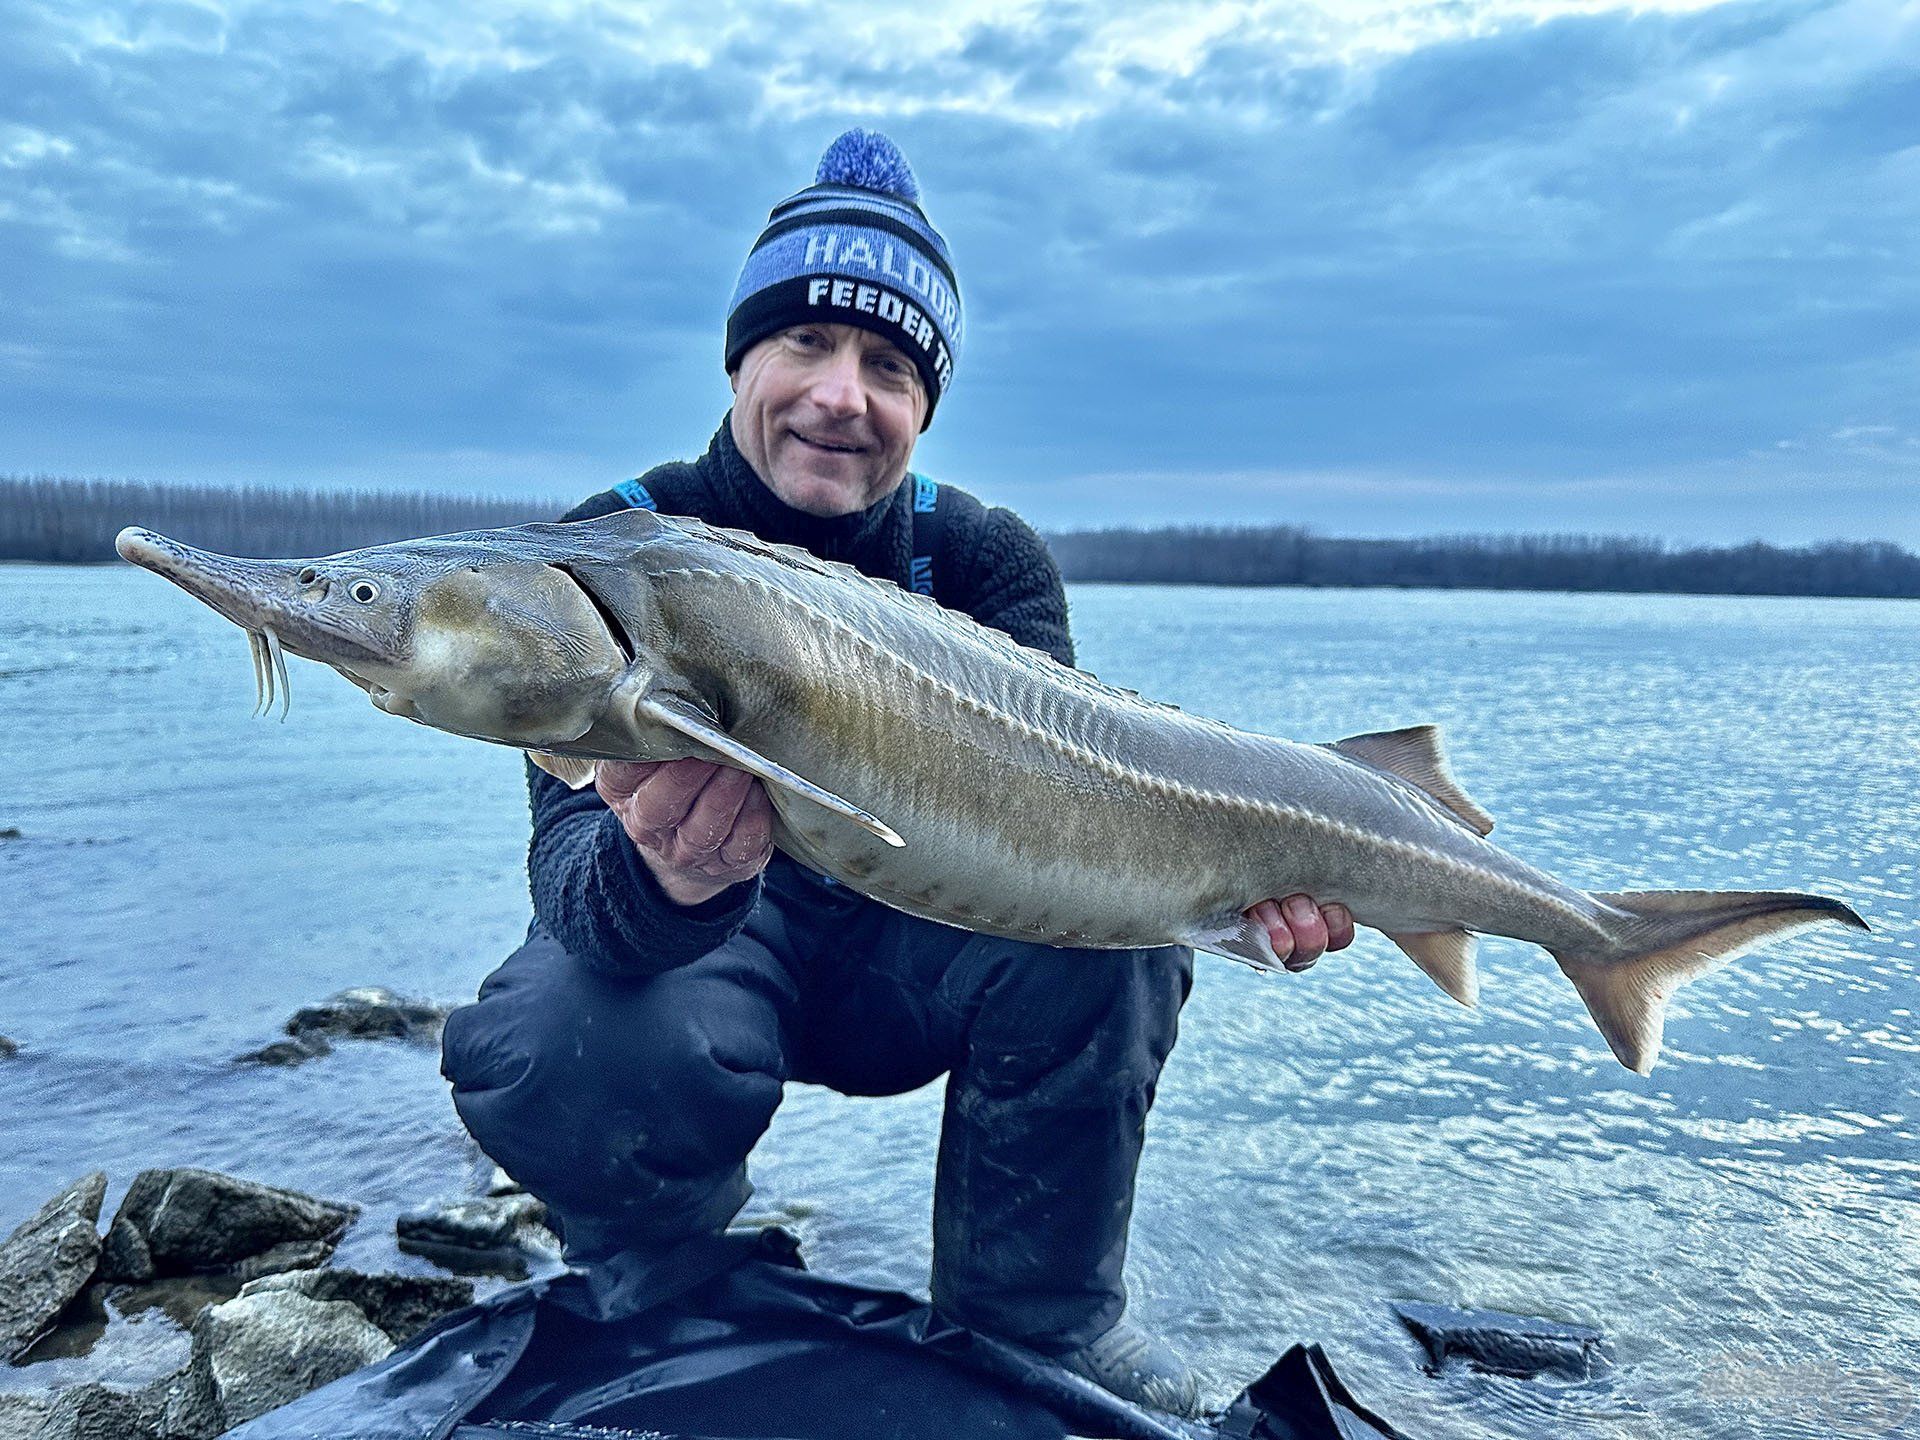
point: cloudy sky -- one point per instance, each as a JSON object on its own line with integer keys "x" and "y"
{"x": 1377, "y": 266}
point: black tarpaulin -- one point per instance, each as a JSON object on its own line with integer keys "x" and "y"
{"x": 730, "y": 1339}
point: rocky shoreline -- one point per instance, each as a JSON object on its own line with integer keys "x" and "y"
{"x": 272, "y": 1319}
{"x": 243, "y": 1268}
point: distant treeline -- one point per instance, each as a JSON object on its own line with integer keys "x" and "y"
{"x": 46, "y": 518}
{"x": 1290, "y": 555}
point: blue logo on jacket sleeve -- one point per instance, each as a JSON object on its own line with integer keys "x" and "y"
{"x": 636, "y": 495}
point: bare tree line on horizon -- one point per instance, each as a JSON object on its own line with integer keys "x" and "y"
{"x": 1293, "y": 555}
{"x": 58, "y": 519}
{"x": 49, "y": 518}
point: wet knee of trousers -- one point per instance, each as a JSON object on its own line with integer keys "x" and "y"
{"x": 1040, "y": 1016}
{"x": 677, "y": 1074}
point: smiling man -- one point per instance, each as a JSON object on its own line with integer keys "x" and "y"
{"x": 679, "y": 972}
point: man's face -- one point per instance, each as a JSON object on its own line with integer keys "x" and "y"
{"x": 827, "y": 416}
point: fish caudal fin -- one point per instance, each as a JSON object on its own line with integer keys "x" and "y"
{"x": 1671, "y": 936}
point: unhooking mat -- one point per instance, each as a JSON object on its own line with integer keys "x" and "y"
{"x": 731, "y": 1337}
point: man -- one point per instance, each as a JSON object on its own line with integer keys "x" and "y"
{"x": 624, "y": 1061}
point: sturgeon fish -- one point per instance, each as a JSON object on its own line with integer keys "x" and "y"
{"x": 937, "y": 766}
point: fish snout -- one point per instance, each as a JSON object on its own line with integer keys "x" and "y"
{"x": 254, "y": 594}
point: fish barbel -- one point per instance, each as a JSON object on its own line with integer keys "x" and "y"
{"x": 941, "y": 768}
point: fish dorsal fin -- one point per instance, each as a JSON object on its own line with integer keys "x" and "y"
{"x": 1447, "y": 958}
{"x": 577, "y": 773}
{"x": 1414, "y": 755}
{"x": 687, "y": 718}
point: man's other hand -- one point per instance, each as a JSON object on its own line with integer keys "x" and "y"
{"x": 699, "y": 827}
{"x": 1302, "y": 931}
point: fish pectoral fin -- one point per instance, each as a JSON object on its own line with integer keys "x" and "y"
{"x": 575, "y": 772}
{"x": 1447, "y": 958}
{"x": 1241, "y": 939}
{"x": 1415, "y": 756}
{"x": 692, "y": 722}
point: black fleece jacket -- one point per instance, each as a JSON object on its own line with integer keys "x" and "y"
{"x": 591, "y": 889}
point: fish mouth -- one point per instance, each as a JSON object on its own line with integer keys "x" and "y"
{"x": 263, "y": 598}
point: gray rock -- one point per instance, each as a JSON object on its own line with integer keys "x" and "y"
{"x": 93, "y": 1411}
{"x": 47, "y": 1262}
{"x": 21, "y": 1415}
{"x": 499, "y": 1234}
{"x": 286, "y": 1256}
{"x": 258, "y": 1351}
{"x": 494, "y": 1222}
{"x": 199, "y": 1220}
{"x": 124, "y": 1257}
{"x": 8, "y": 1048}
{"x": 401, "y": 1305}
{"x": 1503, "y": 1344}
{"x": 501, "y": 1183}
{"x": 369, "y": 1012}
{"x": 308, "y": 1045}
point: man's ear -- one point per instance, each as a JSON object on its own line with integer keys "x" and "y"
{"x": 733, "y": 379}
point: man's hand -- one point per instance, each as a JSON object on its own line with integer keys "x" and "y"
{"x": 1301, "y": 931}
{"x": 699, "y": 827}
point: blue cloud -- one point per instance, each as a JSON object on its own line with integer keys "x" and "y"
{"x": 1627, "y": 270}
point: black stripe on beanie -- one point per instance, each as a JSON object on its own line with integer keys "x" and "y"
{"x": 826, "y": 299}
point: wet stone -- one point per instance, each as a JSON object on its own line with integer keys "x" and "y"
{"x": 47, "y": 1262}
{"x": 496, "y": 1234}
{"x": 369, "y": 1012}
{"x": 94, "y": 1411}
{"x": 124, "y": 1256}
{"x": 259, "y": 1351}
{"x": 200, "y": 1220}
{"x": 308, "y": 1045}
{"x": 1504, "y": 1344}
{"x": 400, "y": 1305}
{"x": 21, "y": 1414}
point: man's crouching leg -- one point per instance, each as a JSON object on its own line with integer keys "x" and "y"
{"x": 627, "y": 1105}
{"x": 1045, "y": 1118}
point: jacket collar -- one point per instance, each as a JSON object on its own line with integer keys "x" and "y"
{"x": 743, "y": 492}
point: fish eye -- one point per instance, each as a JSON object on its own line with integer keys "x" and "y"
{"x": 365, "y": 591}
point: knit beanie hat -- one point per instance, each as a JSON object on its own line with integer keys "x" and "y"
{"x": 854, "y": 248}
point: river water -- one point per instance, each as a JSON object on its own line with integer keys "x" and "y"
{"x": 1745, "y": 1224}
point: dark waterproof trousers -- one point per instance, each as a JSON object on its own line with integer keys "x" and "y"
{"x": 629, "y": 1105}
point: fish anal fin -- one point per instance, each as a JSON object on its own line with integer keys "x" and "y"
{"x": 575, "y": 772}
{"x": 1447, "y": 958}
{"x": 1415, "y": 755}
{"x": 692, "y": 722}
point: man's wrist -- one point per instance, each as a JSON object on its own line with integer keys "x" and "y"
{"x": 687, "y": 893}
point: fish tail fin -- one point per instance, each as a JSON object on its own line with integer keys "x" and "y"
{"x": 1665, "y": 938}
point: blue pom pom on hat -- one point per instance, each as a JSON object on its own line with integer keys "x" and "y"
{"x": 854, "y": 248}
{"x": 868, "y": 160}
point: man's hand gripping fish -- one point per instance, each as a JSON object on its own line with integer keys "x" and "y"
{"x": 939, "y": 767}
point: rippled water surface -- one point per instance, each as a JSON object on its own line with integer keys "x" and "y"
{"x": 1746, "y": 1224}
